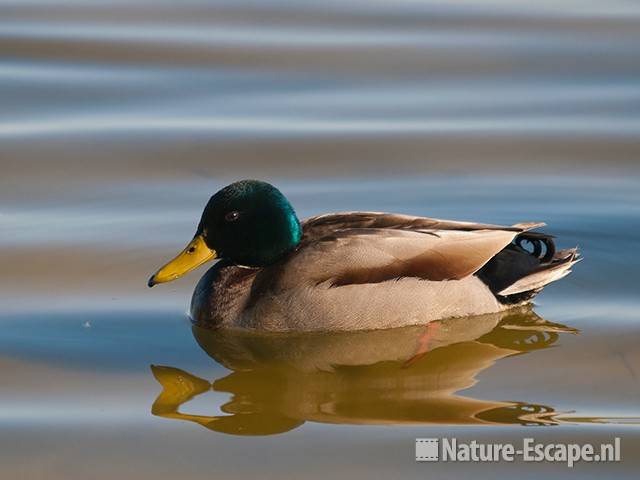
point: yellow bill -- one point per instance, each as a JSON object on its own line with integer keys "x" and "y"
{"x": 194, "y": 255}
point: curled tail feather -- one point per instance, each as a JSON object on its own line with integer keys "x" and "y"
{"x": 558, "y": 267}
{"x": 523, "y": 268}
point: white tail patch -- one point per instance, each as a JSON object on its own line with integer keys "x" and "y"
{"x": 543, "y": 277}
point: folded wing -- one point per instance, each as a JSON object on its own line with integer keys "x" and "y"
{"x": 370, "y": 255}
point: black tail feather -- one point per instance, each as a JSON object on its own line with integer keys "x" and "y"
{"x": 515, "y": 262}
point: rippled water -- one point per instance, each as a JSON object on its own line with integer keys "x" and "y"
{"x": 119, "y": 119}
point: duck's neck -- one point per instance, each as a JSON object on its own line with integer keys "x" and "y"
{"x": 277, "y": 239}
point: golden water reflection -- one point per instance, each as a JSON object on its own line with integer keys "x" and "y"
{"x": 409, "y": 375}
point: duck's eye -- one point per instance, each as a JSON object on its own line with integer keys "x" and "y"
{"x": 191, "y": 249}
{"x": 232, "y": 216}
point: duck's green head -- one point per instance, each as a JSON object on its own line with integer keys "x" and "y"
{"x": 249, "y": 223}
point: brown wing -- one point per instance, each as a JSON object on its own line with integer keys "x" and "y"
{"x": 317, "y": 227}
{"x": 369, "y": 255}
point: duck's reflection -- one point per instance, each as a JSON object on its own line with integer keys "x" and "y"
{"x": 398, "y": 376}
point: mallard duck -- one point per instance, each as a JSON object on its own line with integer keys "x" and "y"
{"x": 354, "y": 270}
